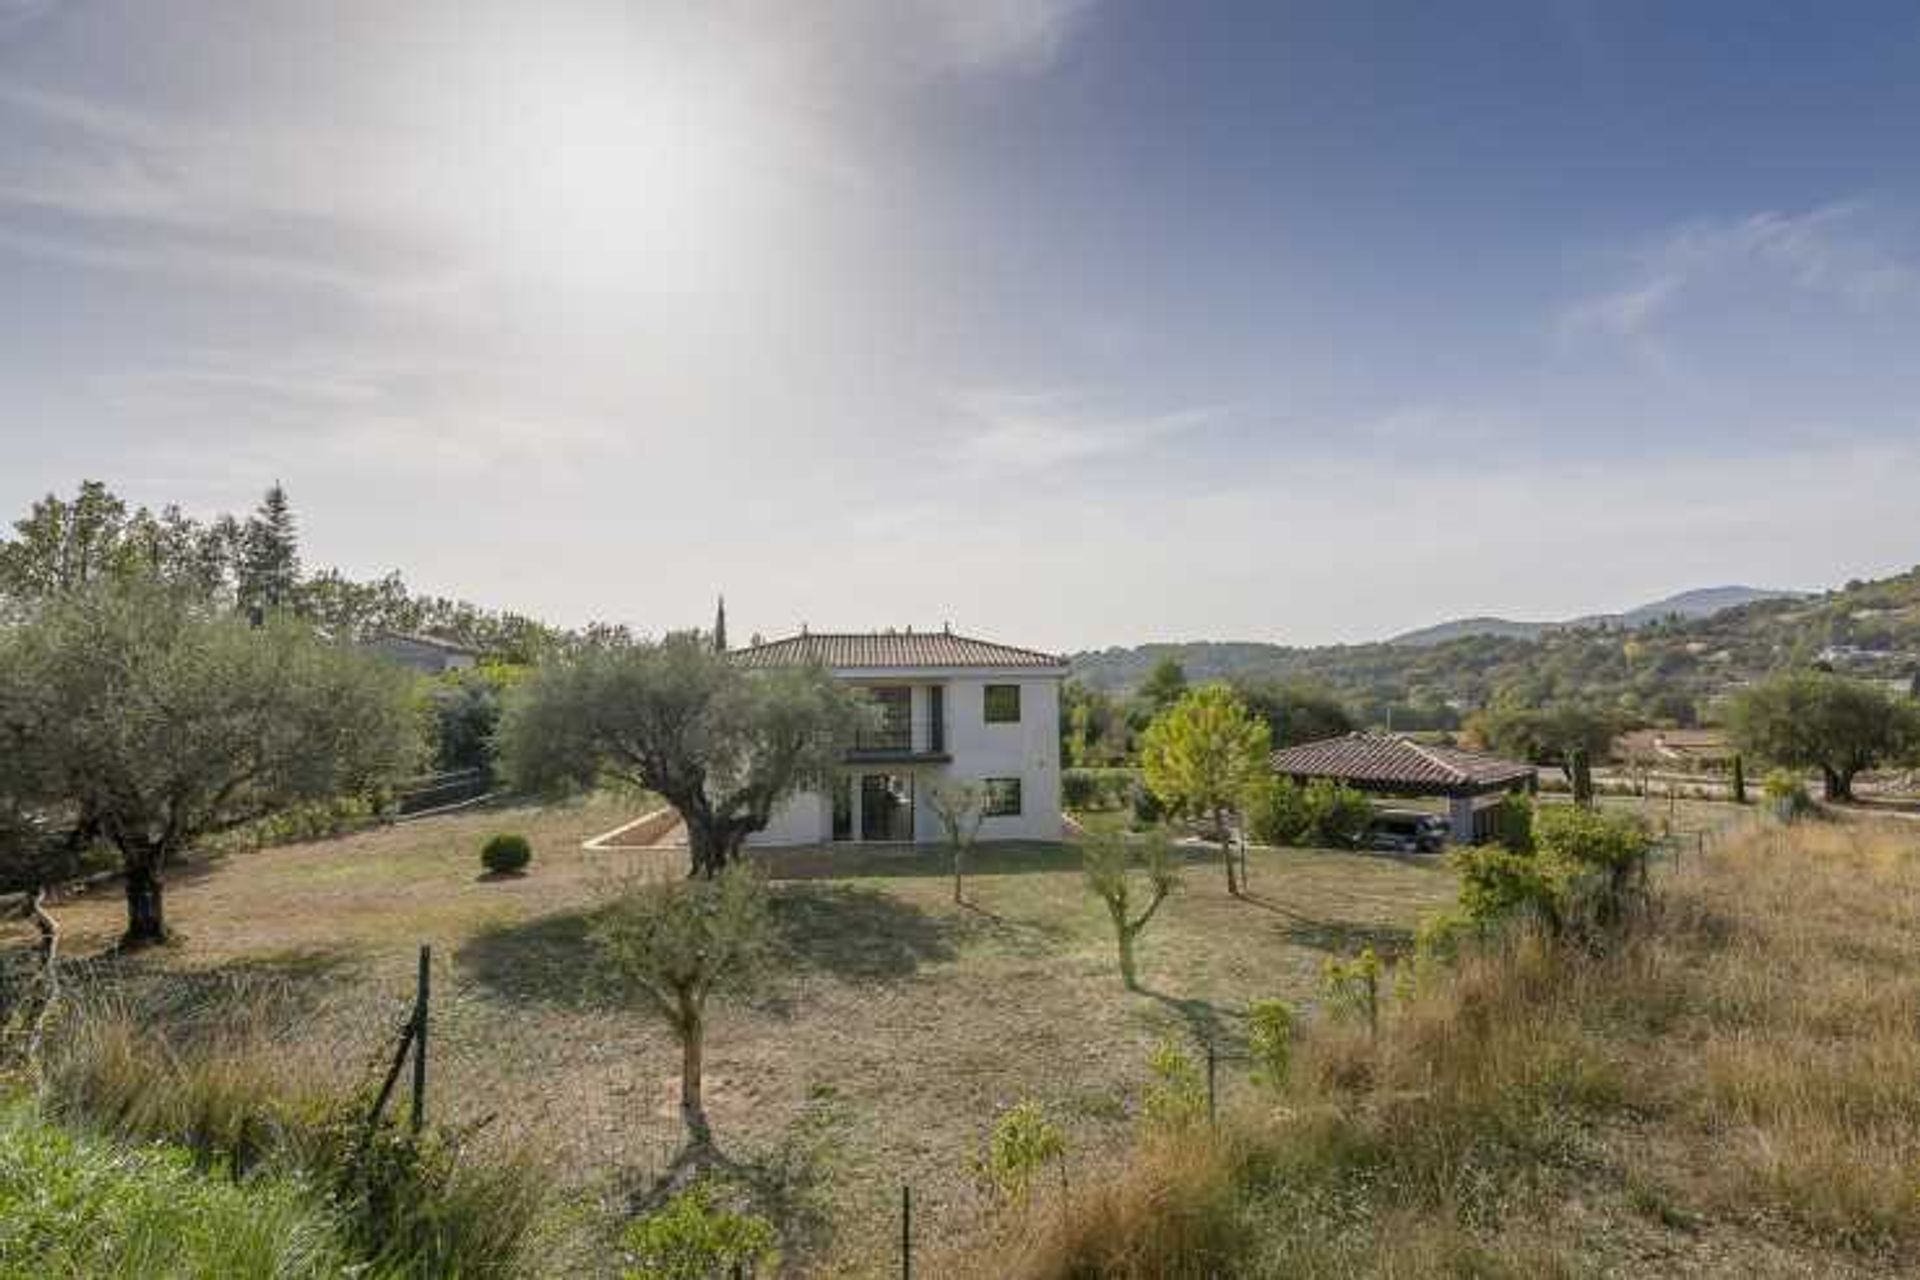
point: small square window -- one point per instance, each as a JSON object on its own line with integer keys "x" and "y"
{"x": 1003, "y": 704}
{"x": 1003, "y": 798}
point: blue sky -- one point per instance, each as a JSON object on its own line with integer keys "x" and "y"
{"x": 1074, "y": 322}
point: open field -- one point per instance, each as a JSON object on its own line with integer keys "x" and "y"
{"x": 900, "y": 1026}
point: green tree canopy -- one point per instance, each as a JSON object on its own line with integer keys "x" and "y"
{"x": 1165, "y": 685}
{"x": 1295, "y": 712}
{"x": 1551, "y": 735}
{"x": 1202, "y": 754}
{"x": 721, "y": 744}
{"x": 1816, "y": 720}
{"x": 163, "y": 720}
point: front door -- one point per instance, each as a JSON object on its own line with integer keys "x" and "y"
{"x": 886, "y": 806}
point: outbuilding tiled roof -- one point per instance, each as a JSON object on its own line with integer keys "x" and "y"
{"x": 1379, "y": 760}
{"x": 849, "y": 650}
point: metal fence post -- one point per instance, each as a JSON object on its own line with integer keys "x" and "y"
{"x": 906, "y": 1232}
{"x": 1212, "y": 1061}
{"x": 420, "y": 1038}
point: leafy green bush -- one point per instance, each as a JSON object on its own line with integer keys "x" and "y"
{"x": 1270, "y": 1042}
{"x": 1352, "y": 987}
{"x": 693, "y": 1238}
{"x": 1512, "y": 823}
{"x": 1496, "y": 883}
{"x": 1787, "y": 795}
{"x": 78, "y": 1206}
{"x": 1089, "y": 789}
{"x": 1277, "y": 813}
{"x": 506, "y": 854}
{"x": 1024, "y": 1142}
{"x": 1338, "y": 814}
{"x": 1177, "y": 1095}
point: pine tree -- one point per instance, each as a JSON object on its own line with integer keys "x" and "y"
{"x": 269, "y": 554}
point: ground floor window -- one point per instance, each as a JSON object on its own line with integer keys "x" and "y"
{"x": 1003, "y": 797}
{"x": 886, "y": 806}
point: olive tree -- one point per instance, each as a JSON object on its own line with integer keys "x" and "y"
{"x": 672, "y": 944}
{"x": 163, "y": 720}
{"x": 1817, "y": 720}
{"x": 721, "y": 743}
{"x": 1107, "y": 861}
{"x": 1202, "y": 755}
{"x": 960, "y": 807}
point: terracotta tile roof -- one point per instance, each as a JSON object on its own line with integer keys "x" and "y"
{"x": 1371, "y": 759}
{"x": 848, "y": 650}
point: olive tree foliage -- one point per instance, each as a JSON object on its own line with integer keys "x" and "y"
{"x": 1817, "y": 720}
{"x": 670, "y": 945}
{"x": 720, "y": 743}
{"x": 961, "y": 807}
{"x": 1107, "y": 860}
{"x": 1202, "y": 755}
{"x": 162, "y": 719}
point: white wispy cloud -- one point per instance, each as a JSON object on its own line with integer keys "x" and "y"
{"x": 1004, "y": 35}
{"x": 1036, "y": 431}
{"x": 1831, "y": 250}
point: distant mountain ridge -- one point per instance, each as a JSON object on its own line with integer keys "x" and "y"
{"x": 1701, "y": 602}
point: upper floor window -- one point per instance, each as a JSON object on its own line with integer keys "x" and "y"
{"x": 1003, "y": 704}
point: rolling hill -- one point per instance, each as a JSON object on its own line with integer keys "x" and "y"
{"x": 1654, "y": 662}
{"x": 1702, "y": 602}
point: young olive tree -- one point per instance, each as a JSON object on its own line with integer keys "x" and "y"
{"x": 1107, "y": 859}
{"x": 169, "y": 720}
{"x": 671, "y": 945}
{"x": 961, "y": 807}
{"x": 720, "y": 743}
{"x": 1202, "y": 755}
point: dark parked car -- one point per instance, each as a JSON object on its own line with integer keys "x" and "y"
{"x": 1399, "y": 831}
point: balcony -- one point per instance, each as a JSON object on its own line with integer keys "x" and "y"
{"x": 899, "y": 739}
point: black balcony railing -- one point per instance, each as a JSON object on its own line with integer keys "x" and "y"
{"x": 901, "y": 738}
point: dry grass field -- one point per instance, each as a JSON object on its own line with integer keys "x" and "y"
{"x": 898, "y": 1026}
{"x": 1726, "y": 1089}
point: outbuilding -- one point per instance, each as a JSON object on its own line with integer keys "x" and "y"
{"x": 1389, "y": 765}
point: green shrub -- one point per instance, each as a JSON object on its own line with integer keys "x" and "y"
{"x": 1512, "y": 823}
{"x": 1024, "y": 1142}
{"x": 1496, "y": 884}
{"x": 1277, "y": 813}
{"x": 77, "y": 1206}
{"x": 1338, "y": 814}
{"x": 1270, "y": 1042}
{"x": 506, "y": 854}
{"x": 1352, "y": 987}
{"x": 1177, "y": 1095}
{"x": 1787, "y": 795}
{"x": 693, "y": 1238}
{"x": 1088, "y": 789}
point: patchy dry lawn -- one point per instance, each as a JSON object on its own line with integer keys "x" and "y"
{"x": 880, "y": 1053}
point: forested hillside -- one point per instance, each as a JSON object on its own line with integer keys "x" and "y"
{"x": 1671, "y": 669}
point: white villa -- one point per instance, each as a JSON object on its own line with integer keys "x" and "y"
{"x": 952, "y": 709}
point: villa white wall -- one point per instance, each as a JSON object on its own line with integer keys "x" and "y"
{"x": 1028, "y": 750}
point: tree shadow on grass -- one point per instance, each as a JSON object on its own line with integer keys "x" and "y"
{"x": 1205, "y": 1021}
{"x": 1339, "y": 937}
{"x": 848, "y": 931}
{"x": 551, "y": 960}
{"x": 854, "y": 932}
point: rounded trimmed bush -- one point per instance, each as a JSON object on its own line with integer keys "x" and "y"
{"x": 506, "y": 854}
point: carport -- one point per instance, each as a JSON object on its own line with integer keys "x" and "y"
{"x": 1387, "y": 765}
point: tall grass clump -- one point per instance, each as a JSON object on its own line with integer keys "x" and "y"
{"x": 219, "y": 1082}
{"x": 72, "y": 1205}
